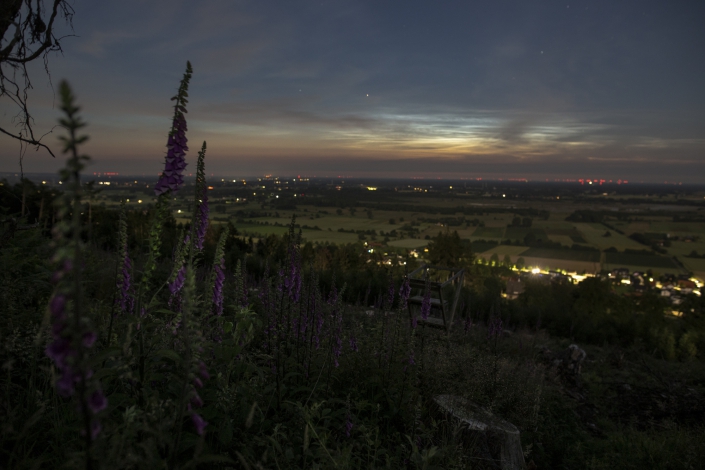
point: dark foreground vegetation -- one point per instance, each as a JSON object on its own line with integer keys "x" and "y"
{"x": 131, "y": 341}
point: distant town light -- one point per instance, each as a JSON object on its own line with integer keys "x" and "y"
{"x": 535, "y": 271}
{"x": 139, "y": 201}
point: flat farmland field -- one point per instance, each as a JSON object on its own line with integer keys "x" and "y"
{"x": 481, "y": 247}
{"x": 681, "y": 248}
{"x": 645, "y": 261}
{"x": 488, "y": 232}
{"x": 502, "y": 250}
{"x": 569, "y": 255}
{"x": 679, "y": 228}
{"x": 562, "y": 239}
{"x": 257, "y": 229}
{"x": 696, "y": 265}
{"x": 518, "y": 233}
{"x": 562, "y": 231}
{"x": 410, "y": 243}
{"x": 594, "y": 235}
{"x": 324, "y": 236}
{"x": 640, "y": 227}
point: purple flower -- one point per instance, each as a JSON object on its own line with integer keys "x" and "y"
{"x": 57, "y": 306}
{"x": 97, "y": 402}
{"x": 390, "y": 294}
{"x": 66, "y": 266}
{"x": 67, "y": 382}
{"x": 174, "y": 162}
{"x": 298, "y": 282}
{"x": 59, "y": 351}
{"x": 404, "y": 292}
{"x": 218, "y": 287}
{"x": 202, "y": 219}
{"x": 202, "y": 371}
{"x": 348, "y": 425}
{"x": 353, "y": 344}
{"x": 199, "y": 423}
{"x": 197, "y": 382}
{"x": 196, "y": 400}
{"x": 426, "y": 304}
{"x": 494, "y": 329}
{"x": 126, "y": 301}
{"x": 293, "y": 279}
{"x": 95, "y": 429}
{"x": 178, "y": 282}
{"x": 333, "y": 297}
{"x": 89, "y": 339}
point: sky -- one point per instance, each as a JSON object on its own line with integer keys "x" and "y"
{"x": 454, "y": 89}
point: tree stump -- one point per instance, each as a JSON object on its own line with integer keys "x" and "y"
{"x": 492, "y": 442}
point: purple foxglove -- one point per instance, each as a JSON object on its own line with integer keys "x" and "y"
{"x": 218, "y": 287}
{"x": 203, "y": 371}
{"x": 89, "y": 339}
{"x": 199, "y": 423}
{"x": 126, "y": 301}
{"x": 175, "y": 162}
{"x": 390, "y": 294}
{"x": 97, "y": 402}
{"x": 426, "y": 304}
{"x": 404, "y": 292}
{"x": 196, "y": 400}
{"x": 178, "y": 283}
{"x": 348, "y": 425}
{"x": 353, "y": 344}
{"x": 494, "y": 330}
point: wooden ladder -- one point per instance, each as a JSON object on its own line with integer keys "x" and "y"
{"x": 418, "y": 286}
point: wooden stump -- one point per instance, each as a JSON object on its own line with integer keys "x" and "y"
{"x": 493, "y": 442}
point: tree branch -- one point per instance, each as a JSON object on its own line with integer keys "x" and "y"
{"x": 29, "y": 141}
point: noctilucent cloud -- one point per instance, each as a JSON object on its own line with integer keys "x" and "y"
{"x": 489, "y": 88}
